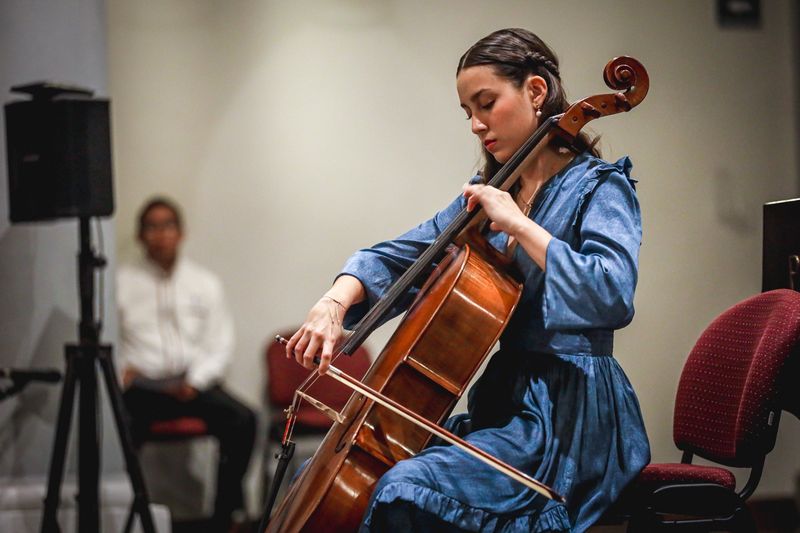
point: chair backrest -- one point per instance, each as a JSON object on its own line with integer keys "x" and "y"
{"x": 729, "y": 395}
{"x": 285, "y": 375}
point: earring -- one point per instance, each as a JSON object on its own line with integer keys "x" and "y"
{"x": 538, "y": 112}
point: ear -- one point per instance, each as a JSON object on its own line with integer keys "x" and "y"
{"x": 536, "y": 88}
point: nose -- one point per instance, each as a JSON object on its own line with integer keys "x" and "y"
{"x": 477, "y": 125}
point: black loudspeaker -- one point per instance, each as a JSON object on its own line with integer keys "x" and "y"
{"x": 59, "y": 154}
{"x": 781, "y": 246}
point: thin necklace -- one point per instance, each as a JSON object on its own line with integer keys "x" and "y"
{"x": 511, "y": 244}
{"x": 526, "y": 207}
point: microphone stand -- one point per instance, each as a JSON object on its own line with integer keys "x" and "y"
{"x": 17, "y": 384}
{"x": 82, "y": 359}
{"x": 15, "y": 388}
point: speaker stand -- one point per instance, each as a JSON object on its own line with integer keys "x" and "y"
{"x": 82, "y": 360}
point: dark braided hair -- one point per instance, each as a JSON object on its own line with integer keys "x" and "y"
{"x": 515, "y": 54}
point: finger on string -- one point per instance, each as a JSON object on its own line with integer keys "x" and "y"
{"x": 468, "y": 196}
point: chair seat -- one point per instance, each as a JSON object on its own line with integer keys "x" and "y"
{"x": 177, "y": 428}
{"x": 662, "y": 474}
{"x": 658, "y": 475}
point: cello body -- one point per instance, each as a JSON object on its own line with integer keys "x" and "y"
{"x": 427, "y": 364}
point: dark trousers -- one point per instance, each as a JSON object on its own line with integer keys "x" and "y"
{"x": 232, "y": 423}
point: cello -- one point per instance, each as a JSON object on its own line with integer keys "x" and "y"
{"x": 449, "y": 330}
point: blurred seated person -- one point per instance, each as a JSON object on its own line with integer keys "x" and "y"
{"x": 176, "y": 339}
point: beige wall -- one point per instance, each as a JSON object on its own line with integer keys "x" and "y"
{"x": 39, "y": 310}
{"x": 295, "y": 132}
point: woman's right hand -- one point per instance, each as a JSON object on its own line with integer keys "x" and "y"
{"x": 318, "y": 335}
{"x": 322, "y": 330}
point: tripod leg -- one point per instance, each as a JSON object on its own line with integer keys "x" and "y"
{"x": 141, "y": 503}
{"x": 56, "y": 475}
{"x": 88, "y": 441}
{"x": 129, "y": 521}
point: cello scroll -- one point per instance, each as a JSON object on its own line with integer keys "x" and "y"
{"x": 624, "y": 74}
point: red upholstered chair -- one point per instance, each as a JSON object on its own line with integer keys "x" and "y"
{"x": 283, "y": 377}
{"x": 740, "y": 375}
{"x": 176, "y": 429}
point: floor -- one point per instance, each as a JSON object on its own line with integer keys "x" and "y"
{"x": 772, "y": 516}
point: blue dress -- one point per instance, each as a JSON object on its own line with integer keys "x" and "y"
{"x": 553, "y": 402}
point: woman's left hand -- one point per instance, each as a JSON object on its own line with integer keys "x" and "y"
{"x": 500, "y": 207}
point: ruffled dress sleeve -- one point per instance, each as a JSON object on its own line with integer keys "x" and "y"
{"x": 591, "y": 285}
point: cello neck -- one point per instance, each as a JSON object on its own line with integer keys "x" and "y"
{"x": 503, "y": 179}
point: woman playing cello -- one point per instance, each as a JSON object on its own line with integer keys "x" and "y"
{"x": 553, "y": 401}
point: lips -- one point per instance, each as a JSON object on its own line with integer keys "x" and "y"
{"x": 489, "y": 143}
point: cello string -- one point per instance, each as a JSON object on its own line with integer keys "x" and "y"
{"x": 300, "y": 392}
{"x": 435, "y": 250}
{"x": 502, "y": 179}
{"x": 442, "y": 433}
